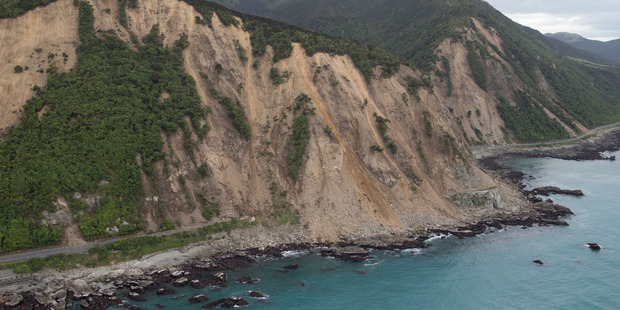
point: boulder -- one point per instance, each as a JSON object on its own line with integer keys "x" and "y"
{"x": 136, "y": 297}
{"x": 257, "y": 295}
{"x": 137, "y": 289}
{"x": 292, "y": 266}
{"x": 181, "y": 281}
{"x": 232, "y": 302}
{"x": 247, "y": 280}
{"x": 594, "y": 246}
{"x": 537, "y": 262}
{"x": 13, "y": 300}
{"x": 178, "y": 273}
{"x": 198, "y": 284}
{"x": 198, "y": 299}
{"x": 166, "y": 291}
{"x": 80, "y": 289}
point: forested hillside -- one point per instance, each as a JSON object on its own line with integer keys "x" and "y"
{"x": 609, "y": 50}
{"x": 579, "y": 91}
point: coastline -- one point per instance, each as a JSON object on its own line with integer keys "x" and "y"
{"x": 97, "y": 286}
{"x": 588, "y": 149}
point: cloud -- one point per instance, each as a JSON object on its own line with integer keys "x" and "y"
{"x": 594, "y": 19}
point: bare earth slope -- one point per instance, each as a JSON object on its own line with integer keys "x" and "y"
{"x": 344, "y": 189}
{"x": 35, "y": 41}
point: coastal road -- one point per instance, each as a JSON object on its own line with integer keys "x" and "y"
{"x": 82, "y": 248}
{"x": 44, "y": 252}
{"x": 497, "y": 148}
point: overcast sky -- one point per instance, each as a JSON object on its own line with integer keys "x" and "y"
{"x": 593, "y": 19}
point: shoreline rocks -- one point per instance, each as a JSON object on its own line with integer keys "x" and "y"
{"x": 232, "y": 302}
{"x": 198, "y": 299}
{"x": 546, "y": 190}
{"x": 257, "y": 295}
{"x": 348, "y": 254}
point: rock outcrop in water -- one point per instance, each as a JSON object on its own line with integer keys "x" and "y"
{"x": 546, "y": 190}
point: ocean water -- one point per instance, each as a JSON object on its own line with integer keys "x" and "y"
{"x": 490, "y": 271}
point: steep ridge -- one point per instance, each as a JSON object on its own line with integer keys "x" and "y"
{"x": 381, "y": 155}
{"x": 554, "y": 91}
{"x": 609, "y": 50}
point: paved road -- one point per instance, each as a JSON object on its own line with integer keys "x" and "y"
{"x": 489, "y": 148}
{"x": 44, "y": 252}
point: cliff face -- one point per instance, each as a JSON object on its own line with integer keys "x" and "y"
{"x": 343, "y": 187}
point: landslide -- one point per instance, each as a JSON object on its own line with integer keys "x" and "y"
{"x": 543, "y": 89}
{"x": 311, "y": 139}
{"x": 39, "y": 39}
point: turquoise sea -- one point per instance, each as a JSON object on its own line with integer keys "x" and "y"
{"x": 490, "y": 271}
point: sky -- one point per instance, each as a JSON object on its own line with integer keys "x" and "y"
{"x": 593, "y": 19}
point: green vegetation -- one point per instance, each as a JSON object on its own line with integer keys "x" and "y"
{"x": 280, "y": 36}
{"x": 211, "y": 207}
{"x": 329, "y": 132}
{"x": 427, "y": 123}
{"x": 412, "y": 176}
{"x": 382, "y": 126}
{"x": 18, "y": 69}
{"x": 283, "y": 211}
{"x": 413, "y": 30}
{"x": 97, "y": 119}
{"x": 166, "y": 224}
{"x": 122, "y": 14}
{"x": 413, "y": 85}
{"x": 274, "y": 75}
{"x": 301, "y": 135}
{"x": 236, "y": 113}
{"x": 14, "y": 8}
{"x": 586, "y": 92}
{"x": 241, "y": 51}
{"x": 449, "y": 147}
{"x": 446, "y": 73}
{"x": 480, "y": 77}
{"x": 376, "y": 148}
{"x": 529, "y": 121}
{"x": 124, "y": 250}
{"x": 202, "y": 171}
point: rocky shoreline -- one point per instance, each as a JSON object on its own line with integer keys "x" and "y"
{"x": 85, "y": 288}
{"x": 58, "y": 292}
{"x": 592, "y": 148}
